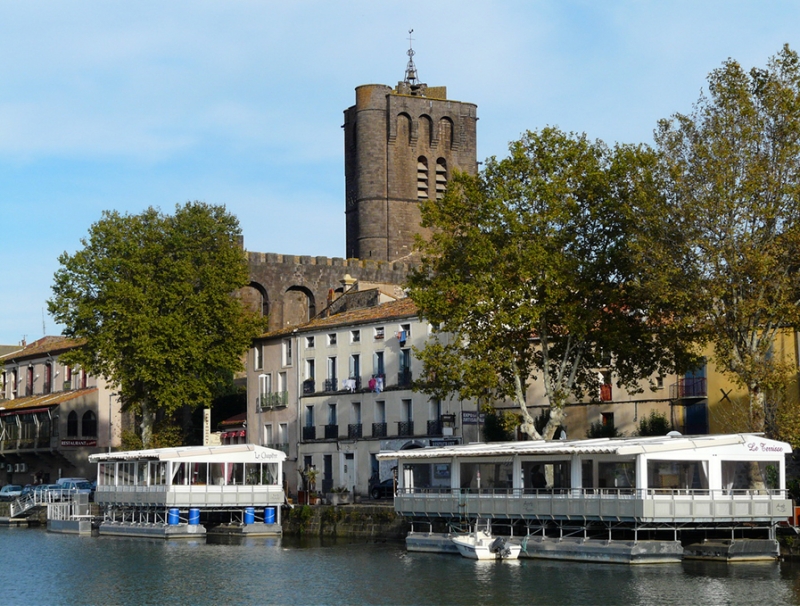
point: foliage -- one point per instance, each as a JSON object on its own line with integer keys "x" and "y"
{"x": 300, "y": 517}
{"x": 151, "y": 296}
{"x": 528, "y": 272}
{"x": 655, "y": 424}
{"x": 732, "y": 183}
{"x": 598, "y": 430}
{"x": 499, "y": 425}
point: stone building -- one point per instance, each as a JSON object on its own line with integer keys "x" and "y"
{"x": 402, "y": 145}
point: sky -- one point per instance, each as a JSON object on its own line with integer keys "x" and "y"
{"x": 125, "y": 105}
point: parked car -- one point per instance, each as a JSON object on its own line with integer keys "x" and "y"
{"x": 76, "y": 485}
{"x": 380, "y": 490}
{"x": 9, "y": 492}
{"x": 47, "y": 493}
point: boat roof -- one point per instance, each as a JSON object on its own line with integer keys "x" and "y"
{"x": 231, "y": 453}
{"x": 755, "y": 443}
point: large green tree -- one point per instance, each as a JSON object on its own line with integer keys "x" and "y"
{"x": 152, "y": 296}
{"x": 732, "y": 183}
{"x": 529, "y": 273}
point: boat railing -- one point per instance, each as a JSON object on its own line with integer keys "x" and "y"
{"x": 599, "y": 493}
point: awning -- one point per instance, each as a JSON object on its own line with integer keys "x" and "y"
{"x": 23, "y": 411}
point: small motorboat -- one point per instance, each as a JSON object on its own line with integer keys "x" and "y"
{"x": 482, "y": 545}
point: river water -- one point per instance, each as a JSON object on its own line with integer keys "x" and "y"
{"x": 38, "y": 567}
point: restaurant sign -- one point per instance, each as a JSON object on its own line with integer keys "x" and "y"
{"x": 65, "y": 443}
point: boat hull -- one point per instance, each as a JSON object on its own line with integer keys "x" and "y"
{"x": 480, "y": 548}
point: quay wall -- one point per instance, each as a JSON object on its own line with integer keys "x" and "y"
{"x": 353, "y": 521}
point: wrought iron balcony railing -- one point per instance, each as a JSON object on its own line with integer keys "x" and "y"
{"x": 269, "y": 401}
{"x": 331, "y": 432}
{"x": 354, "y": 431}
{"x": 309, "y": 387}
{"x": 379, "y": 430}
{"x": 404, "y": 377}
{"x": 405, "y": 428}
{"x": 434, "y": 428}
{"x": 309, "y": 432}
{"x": 331, "y": 385}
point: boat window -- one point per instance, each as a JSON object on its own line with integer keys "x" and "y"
{"x": 545, "y": 475}
{"x": 219, "y": 473}
{"x": 587, "y": 473}
{"x": 237, "y": 477}
{"x": 427, "y": 475}
{"x": 269, "y": 474}
{"x": 487, "y": 476}
{"x": 672, "y": 475}
{"x": 105, "y": 474}
{"x": 141, "y": 474}
{"x": 750, "y": 475}
{"x": 251, "y": 473}
{"x": 158, "y": 473}
{"x": 199, "y": 474}
{"x": 126, "y": 474}
{"x": 618, "y": 474}
{"x": 180, "y": 473}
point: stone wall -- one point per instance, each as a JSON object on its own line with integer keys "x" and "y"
{"x": 355, "y": 521}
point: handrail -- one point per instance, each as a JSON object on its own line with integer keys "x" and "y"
{"x": 602, "y": 493}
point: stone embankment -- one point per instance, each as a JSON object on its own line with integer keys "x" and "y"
{"x": 353, "y": 521}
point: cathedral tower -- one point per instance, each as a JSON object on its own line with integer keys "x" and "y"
{"x": 401, "y": 146}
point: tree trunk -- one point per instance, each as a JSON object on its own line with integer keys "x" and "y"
{"x": 757, "y": 404}
{"x": 148, "y": 421}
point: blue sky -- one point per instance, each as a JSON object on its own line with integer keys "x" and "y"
{"x": 124, "y": 105}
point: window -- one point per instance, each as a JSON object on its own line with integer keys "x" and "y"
{"x": 607, "y": 419}
{"x": 355, "y": 366}
{"x": 407, "y": 411}
{"x": 268, "y": 434}
{"x": 356, "y": 413}
{"x": 257, "y": 362}
{"x": 287, "y": 352}
{"x": 404, "y": 333}
{"x": 310, "y": 368}
{"x": 283, "y": 433}
{"x": 377, "y": 364}
{"x": 355, "y": 336}
{"x": 89, "y": 425}
{"x": 660, "y": 382}
{"x": 380, "y": 411}
{"x": 332, "y": 339}
{"x": 441, "y": 177}
{"x": 332, "y": 368}
{"x": 48, "y": 378}
{"x": 332, "y": 414}
{"x": 282, "y": 383}
{"x": 265, "y": 384}
{"x": 309, "y": 342}
{"x": 72, "y": 425}
{"x": 310, "y": 416}
{"x": 379, "y": 333}
{"x": 422, "y": 178}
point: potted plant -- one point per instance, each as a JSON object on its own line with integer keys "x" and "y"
{"x": 309, "y": 479}
{"x": 338, "y": 496}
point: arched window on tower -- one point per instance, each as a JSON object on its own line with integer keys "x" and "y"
{"x": 89, "y": 425}
{"x": 422, "y": 178}
{"x": 72, "y": 425}
{"x": 441, "y": 177}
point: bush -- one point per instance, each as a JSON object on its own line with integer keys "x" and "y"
{"x": 656, "y": 424}
{"x": 598, "y": 430}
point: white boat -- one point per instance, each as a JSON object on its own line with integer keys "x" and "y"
{"x": 482, "y": 545}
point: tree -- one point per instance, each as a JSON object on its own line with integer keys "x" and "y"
{"x": 732, "y": 179}
{"x": 529, "y": 272}
{"x": 152, "y": 298}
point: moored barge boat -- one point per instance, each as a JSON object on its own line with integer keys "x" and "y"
{"x": 178, "y": 492}
{"x": 632, "y": 500}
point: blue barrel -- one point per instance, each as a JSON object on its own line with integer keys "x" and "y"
{"x": 174, "y": 516}
{"x": 269, "y": 515}
{"x": 249, "y": 515}
{"x": 194, "y": 517}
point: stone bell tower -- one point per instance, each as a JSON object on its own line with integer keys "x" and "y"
{"x": 401, "y": 147}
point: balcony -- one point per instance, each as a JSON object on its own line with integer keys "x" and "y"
{"x": 354, "y": 431}
{"x": 309, "y": 387}
{"x": 405, "y": 428}
{"x": 331, "y": 432}
{"x": 331, "y": 385}
{"x": 352, "y": 384}
{"x": 284, "y": 448}
{"x": 688, "y": 388}
{"x": 435, "y": 428}
{"x": 379, "y": 430}
{"x": 271, "y": 401}
{"x": 309, "y": 432}
{"x": 404, "y": 377}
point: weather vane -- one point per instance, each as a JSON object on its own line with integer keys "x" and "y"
{"x": 411, "y": 69}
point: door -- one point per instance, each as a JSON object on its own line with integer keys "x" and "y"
{"x": 349, "y": 471}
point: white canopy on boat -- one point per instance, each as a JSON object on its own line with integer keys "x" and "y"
{"x": 233, "y": 453}
{"x": 754, "y": 444}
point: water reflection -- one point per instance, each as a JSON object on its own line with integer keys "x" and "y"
{"x": 265, "y": 570}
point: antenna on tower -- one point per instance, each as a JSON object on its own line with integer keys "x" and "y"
{"x": 411, "y": 69}
{"x": 44, "y": 329}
